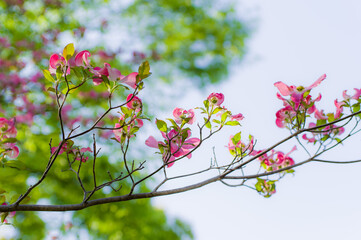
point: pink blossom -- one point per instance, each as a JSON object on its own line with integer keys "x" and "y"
{"x": 55, "y": 61}
{"x": 284, "y": 116}
{"x": 284, "y": 160}
{"x": 275, "y": 160}
{"x": 77, "y": 152}
{"x": 174, "y": 146}
{"x": 356, "y": 96}
{"x": 134, "y": 102}
{"x": 130, "y": 80}
{"x": 345, "y": 95}
{"x": 81, "y": 59}
{"x": 237, "y": 117}
{"x": 216, "y": 99}
{"x": 99, "y": 72}
{"x": 319, "y": 115}
{"x": 240, "y": 147}
{"x": 180, "y": 114}
{"x": 339, "y": 108}
{"x": 120, "y": 132}
{"x": 152, "y": 142}
{"x": 297, "y": 93}
{"x": 311, "y": 139}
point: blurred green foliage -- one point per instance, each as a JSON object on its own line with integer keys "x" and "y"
{"x": 181, "y": 39}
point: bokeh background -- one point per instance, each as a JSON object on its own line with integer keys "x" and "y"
{"x": 195, "y": 48}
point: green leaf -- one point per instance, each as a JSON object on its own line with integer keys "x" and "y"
{"x": 209, "y": 125}
{"x": 68, "y": 51}
{"x": 48, "y": 76}
{"x": 51, "y": 89}
{"x": 161, "y": 125}
{"x": 325, "y": 138}
{"x": 331, "y": 117}
{"x": 133, "y": 130}
{"x": 125, "y": 110}
{"x": 356, "y": 108}
{"x": 216, "y": 121}
{"x": 206, "y": 104}
{"x": 258, "y": 186}
{"x": 59, "y": 73}
{"x": 106, "y": 81}
{"x": 216, "y": 110}
{"x": 9, "y": 140}
{"x": 78, "y": 73}
{"x": 16, "y": 164}
{"x": 224, "y": 116}
{"x": 173, "y": 122}
{"x": 2, "y": 199}
{"x": 236, "y": 138}
{"x": 320, "y": 122}
{"x": 3, "y": 216}
{"x": 233, "y": 123}
{"x": 144, "y": 70}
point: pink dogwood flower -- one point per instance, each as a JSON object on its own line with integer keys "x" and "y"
{"x": 297, "y": 93}
{"x": 237, "y": 117}
{"x": 284, "y": 160}
{"x": 240, "y": 148}
{"x": 275, "y": 159}
{"x": 81, "y": 59}
{"x": 356, "y": 96}
{"x": 114, "y": 75}
{"x": 8, "y": 131}
{"x": 284, "y": 116}
{"x": 216, "y": 99}
{"x": 134, "y": 102}
{"x": 180, "y": 114}
{"x": 339, "y": 108}
{"x": 77, "y": 152}
{"x": 56, "y": 61}
{"x": 120, "y": 132}
{"x": 174, "y": 145}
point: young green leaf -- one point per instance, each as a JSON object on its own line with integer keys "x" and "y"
{"x": 68, "y": 51}
{"x": 161, "y": 125}
{"x": 48, "y": 76}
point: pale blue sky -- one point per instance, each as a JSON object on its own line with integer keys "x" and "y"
{"x": 295, "y": 42}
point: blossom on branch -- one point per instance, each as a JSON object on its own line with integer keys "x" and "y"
{"x": 181, "y": 115}
{"x": 216, "y": 99}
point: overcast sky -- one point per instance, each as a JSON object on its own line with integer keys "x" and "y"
{"x": 294, "y": 42}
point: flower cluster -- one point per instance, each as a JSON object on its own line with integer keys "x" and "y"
{"x": 266, "y": 187}
{"x": 181, "y": 115}
{"x": 238, "y": 148}
{"x": 60, "y": 63}
{"x": 69, "y": 148}
{"x": 275, "y": 159}
{"x": 299, "y": 104}
{"x": 175, "y": 145}
{"x": 177, "y": 140}
{"x": 130, "y": 120}
{"x": 8, "y": 139}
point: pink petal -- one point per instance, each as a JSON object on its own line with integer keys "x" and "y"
{"x": 97, "y": 81}
{"x": 284, "y": 89}
{"x": 151, "y": 142}
{"x": 318, "y": 81}
{"x": 130, "y": 80}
